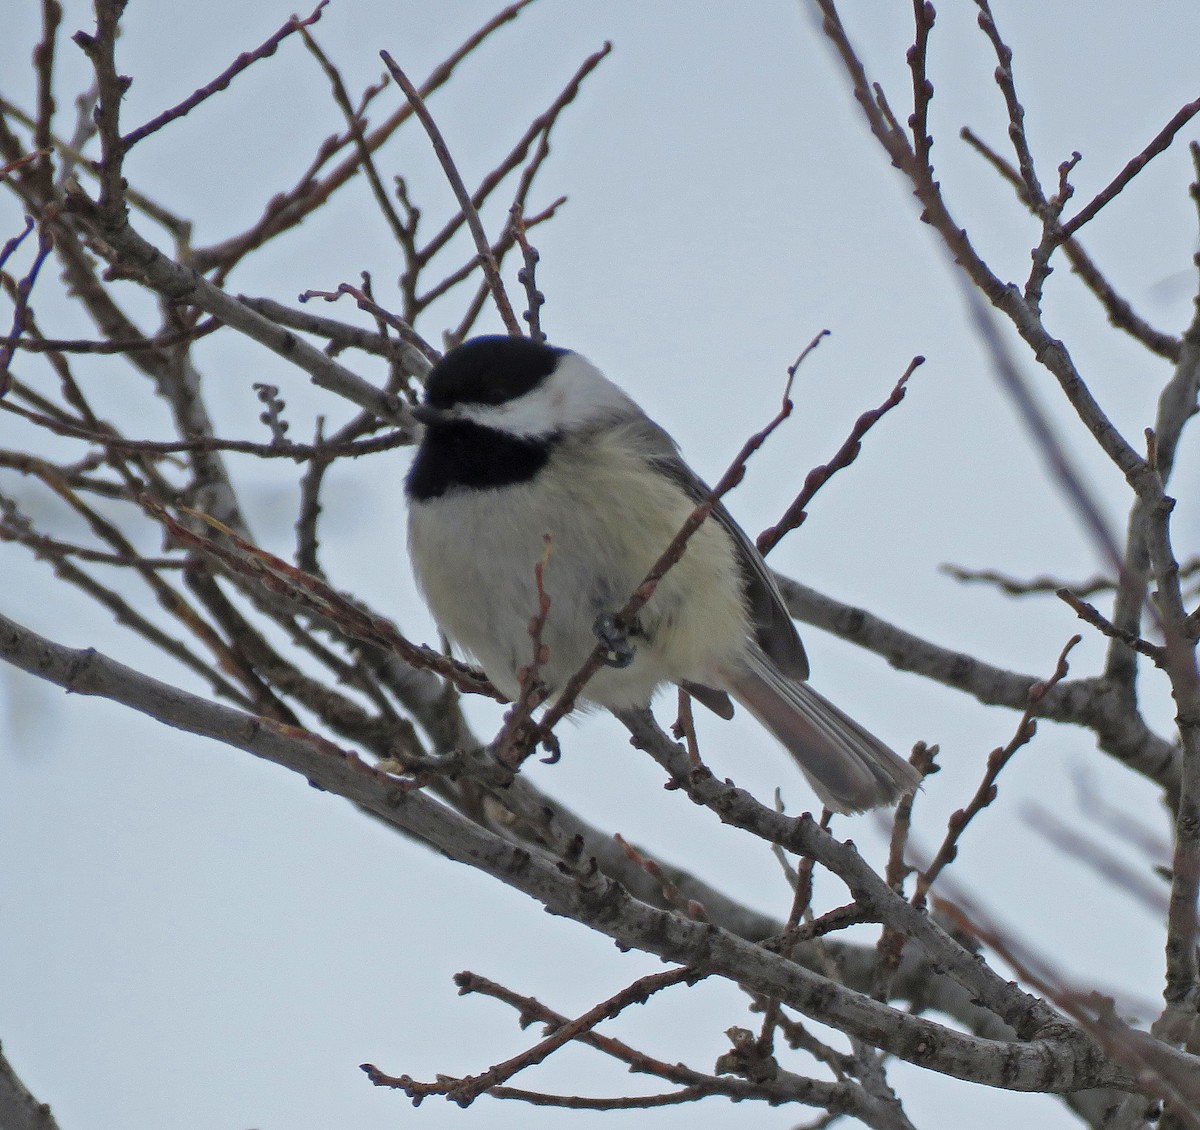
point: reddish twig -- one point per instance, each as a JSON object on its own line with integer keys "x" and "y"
{"x": 1090, "y": 614}
{"x": 1158, "y": 144}
{"x": 802, "y": 892}
{"x": 685, "y": 728}
{"x": 43, "y": 62}
{"x": 527, "y": 276}
{"x": 118, "y": 345}
{"x": 341, "y": 335}
{"x": 244, "y": 60}
{"x": 123, "y": 612}
{"x": 1049, "y": 351}
{"x": 618, "y": 1102}
{"x": 890, "y": 947}
{"x": 410, "y": 336}
{"x": 1120, "y": 311}
{"x": 1051, "y": 239}
{"x": 1033, "y": 586}
{"x": 671, "y": 894}
{"x": 401, "y": 231}
{"x": 300, "y": 452}
{"x": 923, "y": 19}
{"x": 20, "y": 162}
{"x": 796, "y": 513}
{"x": 500, "y": 249}
{"x": 487, "y": 260}
{"x": 692, "y": 1084}
{"x": 243, "y": 559}
{"x": 287, "y": 209}
{"x": 14, "y": 527}
{"x": 986, "y": 792}
{"x": 1016, "y": 112}
{"x": 21, "y": 305}
{"x": 111, "y": 88}
{"x": 466, "y": 1090}
{"x": 516, "y": 730}
{"x": 538, "y": 130}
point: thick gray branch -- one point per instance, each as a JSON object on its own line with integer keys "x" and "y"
{"x": 1055, "y": 1062}
{"x": 19, "y": 1110}
{"x": 1091, "y": 703}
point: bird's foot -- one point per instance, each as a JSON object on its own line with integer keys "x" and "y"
{"x": 619, "y": 652}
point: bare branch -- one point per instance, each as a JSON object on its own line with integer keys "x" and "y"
{"x": 244, "y": 60}
{"x": 185, "y": 287}
{"x": 796, "y": 513}
{"x": 986, "y": 793}
{"x": 1158, "y": 144}
{"x": 1120, "y": 311}
{"x": 466, "y": 1091}
{"x": 19, "y": 1110}
{"x": 286, "y": 210}
{"x": 486, "y": 258}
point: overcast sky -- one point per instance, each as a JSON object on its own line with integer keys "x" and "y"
{"x": 190, "y": 938}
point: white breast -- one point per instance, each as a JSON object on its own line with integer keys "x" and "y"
{"x": 474, "y": 554}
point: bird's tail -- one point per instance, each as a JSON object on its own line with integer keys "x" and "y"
{"x": 850, "y": 769}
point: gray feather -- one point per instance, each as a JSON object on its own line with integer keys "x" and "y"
{"x": 772, "y": 623}
{"x": 850, "y": 769}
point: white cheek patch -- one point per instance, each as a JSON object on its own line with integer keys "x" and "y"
{"x": 575, "y": 394}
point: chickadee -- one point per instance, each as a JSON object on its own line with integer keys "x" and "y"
{"x": 523, "y": 440}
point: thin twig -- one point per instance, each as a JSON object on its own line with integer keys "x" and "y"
{"x": 111, "y": 88}
{"x": 1037, "y": 586}
{"x": 527, "y": 276}
{"x": 285, "y": 210}
{"x": 312, "y": 593}
{"x": 342, "y": 335}
{"x": 43, "y": 62}
{"x": 487, "y": 260}
{"x": 117, "y": 345}
{"x": 244, "y": 60}
{"x": 365, "y": 302}
{"x": 890, "y": 947}
{"x": 671, "y": 894}
{"x": 516, "y": 729}
{"x": 300, "y": 452}
{"x": 357, "y": 128}
{"x": 796, "y": 513}
{"x": 21, "y": 305}
{"x": 1016, "y": 112}
{"x": 986, "y": 792}
{"x": 1158, "y": 144}
{"x": 466, "y": 1090}
{"x": 538, "y": 130}
{"x": 1090, "y": 614}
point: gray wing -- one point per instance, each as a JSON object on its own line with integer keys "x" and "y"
{"x": 773, "y": 627}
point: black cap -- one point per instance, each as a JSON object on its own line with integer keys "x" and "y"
{"x": 490, "y": 370}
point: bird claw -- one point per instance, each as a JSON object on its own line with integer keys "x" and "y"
{"x": 619, "y": 651}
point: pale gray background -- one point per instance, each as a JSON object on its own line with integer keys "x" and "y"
{"x": 189, "y": 938}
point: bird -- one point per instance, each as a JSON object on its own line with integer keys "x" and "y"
{"x": 524, "y": 440}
